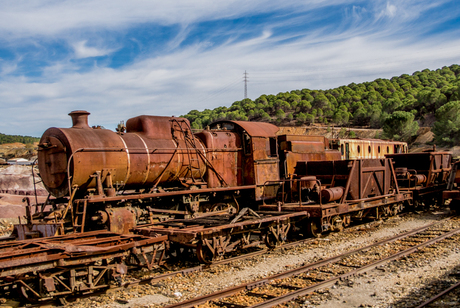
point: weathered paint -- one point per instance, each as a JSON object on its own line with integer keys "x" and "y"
{"x": 367, "y": 148}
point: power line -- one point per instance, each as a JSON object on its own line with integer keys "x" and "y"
{"x": 245, "y": 84}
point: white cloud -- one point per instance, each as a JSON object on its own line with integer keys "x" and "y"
{"x": 404, "y": 11}
{"x": 390, "y": 10}
{"x": 22, "y": 18}
{"x": 197, "y": 76}
{"x": 83, "y": 51}
{"x": 176, "y": 83}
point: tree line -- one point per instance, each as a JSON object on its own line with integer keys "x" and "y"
{"x": 398, "y": 105}
{"x": 16, "y": 138}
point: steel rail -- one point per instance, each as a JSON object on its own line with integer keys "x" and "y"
{"x": 361, "y": 270}
{"x": 269, "y": 303}
{"x": 437, "y": 296}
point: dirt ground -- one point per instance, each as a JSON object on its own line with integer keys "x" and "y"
{"x": 12, "y": 206}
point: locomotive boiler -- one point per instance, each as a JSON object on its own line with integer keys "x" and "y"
{"x": 154, "y": 152}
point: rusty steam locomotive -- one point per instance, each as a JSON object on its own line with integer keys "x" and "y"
{"x": 157, "y": 169}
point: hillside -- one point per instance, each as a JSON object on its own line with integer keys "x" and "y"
{"x": 17, "y": 139}
{"x": 17, "y": 150}
{"x": 398, "y": 106}
{"x": 16, "y": 146}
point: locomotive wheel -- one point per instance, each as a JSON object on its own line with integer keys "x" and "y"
{"x": 26, "y": 293}
{"x": 204, "y": 254}
{"x": 314, "y": 228}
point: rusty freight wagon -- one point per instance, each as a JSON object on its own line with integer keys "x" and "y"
{"x": 425, "y": 174}
{"x": 334, "y": 193}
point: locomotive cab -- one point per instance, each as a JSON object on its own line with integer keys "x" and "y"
{"x": 258, "y": 162}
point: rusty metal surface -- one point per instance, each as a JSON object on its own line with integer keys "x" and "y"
{"x": 36, "y": 230}
{"x": 187, "y": 230}
{"x": 293, "y": 149}
{"x": 154, "y": 150}
{"x": 303, "y": 144}
{"x": 56, "y": 267}
{"x": 332, "y": 194}
{"x": 20, "y": 257}
{"x": 451, "y": 194}
{"x": 336, "y": 191}
{"x": 435, "y": 166}
{"x": 292, "y": 159}
{"x": 224, "y": 152}
{"x": 171, "y": 193}
{"x": 121, "y": 220}
{"x": 254, "y": 129}
{"x": 361, "y": 178}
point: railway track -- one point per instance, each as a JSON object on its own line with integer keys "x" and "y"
{"x": 287, "y": 286}
{"x": 95, "y": 248}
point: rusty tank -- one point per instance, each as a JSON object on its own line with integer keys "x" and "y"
{"x": 154, "y": 151}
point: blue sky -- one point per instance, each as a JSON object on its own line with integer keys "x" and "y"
{"x": 118, "y": 59}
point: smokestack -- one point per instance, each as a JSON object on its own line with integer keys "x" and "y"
{"x": 79, "y": 119}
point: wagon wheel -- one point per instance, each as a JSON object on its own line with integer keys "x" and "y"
{"x": 314, "y": 228}
{"x": 337, "y": 223}
{"x": 28, "y": 290}
{"x": 346, "y": 220}
{"x": 204, "y": 253}
{"x": 276, "y": 235}
{"x": 209, "y": 250}
{"x": 270, "y": 240}
{"x": 386, "y": 211}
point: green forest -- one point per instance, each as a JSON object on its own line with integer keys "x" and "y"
{"x": 15, "y": 138}
{"x": 399, "y": 106}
